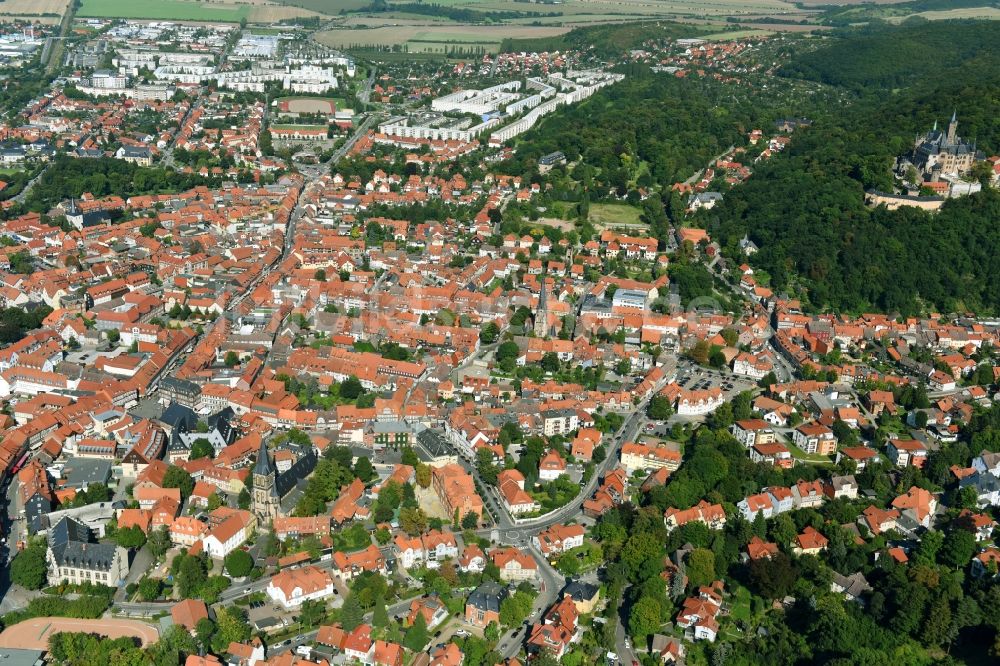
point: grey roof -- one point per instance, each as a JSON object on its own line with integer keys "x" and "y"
{"x": 305, "y": 461}
{"x": 72, "y": 544}
{"x": 580, "y": 591}
{"x": 179, "y": 417}
{"x": 83, "y": 472}
{"x": 83, "y": 555}
{"x": 840, "y": 482}
{"x": 488, "y": 597}
{"x": 181, "y": 386}
{"x": 67, "y": 530}
{"x": 984, "y": 483}
{"x": 35, "y": 509}
{"x": 18, "y": 657}
{"x": 221, "y": 421}
{"x": 854, "y": 585}
{"x": 433, "y": 443}
{"x": 263, "y": 465}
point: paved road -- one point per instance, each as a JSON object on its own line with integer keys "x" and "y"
{"x": 299, "y": 210}
{"x": 167, "y": 160}
{"x": 54, "y": 45}
{"x": 23, "y": 194}
{"x": 366, "y": 91}
{"x": 697, "y": 175}
{"x": 523, "y": 530}
{"x": 141, "y": 563}
{"x": 550, "y": 583}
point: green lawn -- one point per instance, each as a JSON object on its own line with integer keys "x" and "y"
{"x": 614, "y": 214}
{"x": 809, "y": 457}
{"x": 739, "y": 604}
{"x": 173, "y": 10}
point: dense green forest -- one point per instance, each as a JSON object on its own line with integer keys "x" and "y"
{"x": 68, "y": 177}
{"x": 672, "y": 129}
{"x": 805, "y": 208}
{"x": 606, "y": 39}
{"x": 462, "y": 14}
{"x": 927, "y": 611}
{"x": 879, "y": 58}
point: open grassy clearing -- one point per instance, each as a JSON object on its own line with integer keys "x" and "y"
{"x": 610, "y": 215}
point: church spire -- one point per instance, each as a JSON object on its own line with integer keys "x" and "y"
{"x": 263, "y": 466}
{"x": 542, "y": 313}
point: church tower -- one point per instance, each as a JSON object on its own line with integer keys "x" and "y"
{"x": 542, "y": 313}
{"x": 265, "y": 493}
{"x": 953, "y": 129}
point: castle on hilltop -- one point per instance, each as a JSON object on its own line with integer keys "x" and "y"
{"x": 940, "y": 153}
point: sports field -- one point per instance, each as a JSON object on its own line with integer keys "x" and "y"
{"x": 307, "y": 105}
{"x": 34, "y": 634}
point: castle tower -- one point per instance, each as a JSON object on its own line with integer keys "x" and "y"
{"x": 953, "y": 129}
{"x": 265, "y": 494}
{"x": 542, "y": 313}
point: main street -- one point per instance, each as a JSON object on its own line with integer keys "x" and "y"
{"x": 311, "y": 174}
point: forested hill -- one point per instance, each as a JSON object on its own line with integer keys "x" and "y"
{"x": 805, "y": 208}
{"x": 649, "y": 130}
{"x": 881, "y": 58}
{"x": 607, "y": 39}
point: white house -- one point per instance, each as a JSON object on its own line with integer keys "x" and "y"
{"x": 291, "y": 587}
{"x": 228, "y": 535}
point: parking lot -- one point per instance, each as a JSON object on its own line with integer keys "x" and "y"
{"x": 696, "y": 378}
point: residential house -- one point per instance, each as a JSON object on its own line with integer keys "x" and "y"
{"x": 483, "y": 605}
{"x": 292, "y": 587}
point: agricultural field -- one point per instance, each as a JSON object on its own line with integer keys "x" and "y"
{"x": 190, "y": 10}
{"x": 424, "y": 33}
{"x": 420, "y": 39}
{"x": 991, "y": 13}
{"x": 737, "y": 34}
{"x": 847, "y": 3}
{"x": 48, "y": 8}
{"x": 572, "y": 9}
{"x": 331, "y": 7}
